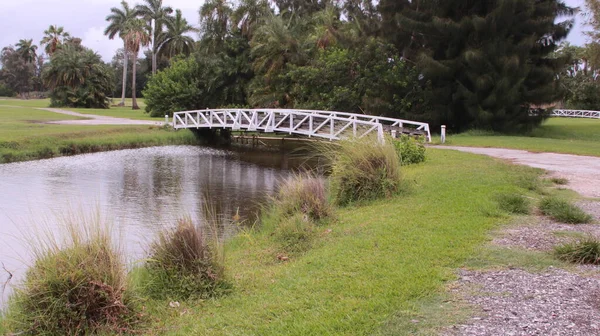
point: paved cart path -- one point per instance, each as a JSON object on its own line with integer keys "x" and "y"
{"x": 94, "y": 119}
{"x": 583, "y": 172}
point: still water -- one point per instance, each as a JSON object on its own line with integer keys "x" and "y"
{"x": 138, "y": 191}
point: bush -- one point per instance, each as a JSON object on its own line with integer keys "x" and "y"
{"x": 184, "y": 265}
{"x": 563, "y": 211}
{"x": 410, "y": 150}
{"x": 305, "y": 194}
{"x": 513, "y": 203}
{"x": 559, "y": 180}
{"x": 75, "y": 288}
{"x": 583, "y": 252}
{"x": 295, "y": 234}
{"x": 363, "y": 169}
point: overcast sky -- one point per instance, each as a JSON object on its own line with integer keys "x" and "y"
{"x": 85, "y": 19}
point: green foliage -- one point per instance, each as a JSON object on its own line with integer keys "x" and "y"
{"x": 78, "y": 287}
{"x": 78, "y": 78}
{"x": 372, "y": 79}
{"x": 564, "y": 211}
{"x": 304, "y": 194}
{"x": 364, "y": 169}
{"x": 488, "y": 61}
{"x": 183, "y": 264}
{"x": 295, "y": 234}
{"x": 410, "y": 150}
{"x": 513, "y": 203}
{"x": 5, "y": 90}
{"x": 559, "y": 180}
{"x": 582, "y": 92}
{"x": 205, "y": 81}
{"x": 586, "y": 251}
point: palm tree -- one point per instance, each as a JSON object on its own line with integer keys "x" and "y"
{"x": 215, "y": 16}
{"x": 27, "y": 50}
{"x": 53, "y": 38}
{"x": 118, "y": 20}
{"x": 175, "y": 41}
{"x": 136, "y": 36}
{"x": 249, "y": 13}
{"x": 156, "y": 15}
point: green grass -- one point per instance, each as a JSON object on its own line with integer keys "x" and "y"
{"x": 586, "y": 251}
{"x": 559, "y": 135}
{"x": 513, "y": 203}
{"x": 25, "y": 136}
{"x": 369, "y": 272}
{"x": 564, "y": 211}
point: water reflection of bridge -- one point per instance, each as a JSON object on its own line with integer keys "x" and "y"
{"x": 321, "y": 124}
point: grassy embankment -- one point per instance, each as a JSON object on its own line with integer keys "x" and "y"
{"x": 24, "y": 135}
{"x": 558, "y": 135}
{"x": 374, "y": 270}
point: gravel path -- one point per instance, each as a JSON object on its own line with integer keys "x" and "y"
{"x": 516, "y": 302}
{"x": 582, "y": 172}
{"x": 93, "y": 119}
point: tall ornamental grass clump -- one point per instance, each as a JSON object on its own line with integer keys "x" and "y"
{"x": 563, "y": 211}
{"x": 363, "y": 169}
{"x": 184, "y": 264}
{"x": 301, "y": 204}
{"x": 304, "y": 194}
{"x": 586, "y": 251}
{"x": 513, "y": 203}
{"x": 77, "y": 286}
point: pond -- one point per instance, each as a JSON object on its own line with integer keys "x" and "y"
{"x": 137, "y": 191}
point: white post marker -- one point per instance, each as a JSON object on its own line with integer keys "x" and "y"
{"x": 394, "y": 134}
{"x": 443, "y": 134}
{"x": 166, "y": 119}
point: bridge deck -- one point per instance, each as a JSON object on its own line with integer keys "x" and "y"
{"x": 323, "y": 124}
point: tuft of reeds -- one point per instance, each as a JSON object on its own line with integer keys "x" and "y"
{"x": 363, "y": 169}
{"x": 77, "y": 285}
{"x": 583, "y": 252}
{"x": 513, "y": 203}
{"x": 304, "y": 193}
{"x": 559, "y": 180}
{"x": 564, "y": 211}
{"x": 184, "y": 264}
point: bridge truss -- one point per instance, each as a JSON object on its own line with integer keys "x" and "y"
{"x": 322, "y": 124}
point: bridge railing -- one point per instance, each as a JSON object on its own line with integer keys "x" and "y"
{"x": 575, "y": 113}
{"x": 326, "y": 126}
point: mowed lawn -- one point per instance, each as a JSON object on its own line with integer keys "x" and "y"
{"x": 559, "y": 135}
{"x": 373, "y": 271}
{"x": 25, "y": 135}
{"x": 113, "y": 111}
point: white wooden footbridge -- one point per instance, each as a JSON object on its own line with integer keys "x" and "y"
{"x": 576, "y": 114}
{"x": 320, "y": 124}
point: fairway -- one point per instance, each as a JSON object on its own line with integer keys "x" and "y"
{"x": 559, "y": 135}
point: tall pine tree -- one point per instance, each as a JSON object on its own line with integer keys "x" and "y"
{"x": 488, "y": 61}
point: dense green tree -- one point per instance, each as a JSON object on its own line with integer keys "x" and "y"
{"x": 176, "y": 40}
{"x": 77, "y": 77}
{"x": 136, "y": 37}
{"x": 27, "y": 50}
{"x": 488, "y": 60}
{"x": 16, "y": 72}
{"x": 215, "y": 24}
{"x": 119, "y": 19}
{"x": 249, "y": 15}
{"x": 156, "y": 16}
{"x": 53, "y": 38}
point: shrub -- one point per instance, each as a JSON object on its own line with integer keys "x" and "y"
{"x": 305, "y": 194}
{"x": 76, "y": 287}
{"x": 563, "y": 211}
{"x": 582, "y": 252}
{"x": 513, "y": 203}
{"x": 410, "y": 150}
{"x": 559, "y": 180}
{"x": 295, "y": 234}
{"x": 364, "y": 169}
{"x": 184, "y": 265}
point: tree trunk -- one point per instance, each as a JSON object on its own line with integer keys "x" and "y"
{"x": 153, "y": 62}
{"x": 125, "y": 63}
{"x": 134, "y": 105}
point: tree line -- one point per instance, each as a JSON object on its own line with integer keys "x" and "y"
{"x": 463, "y": 63}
